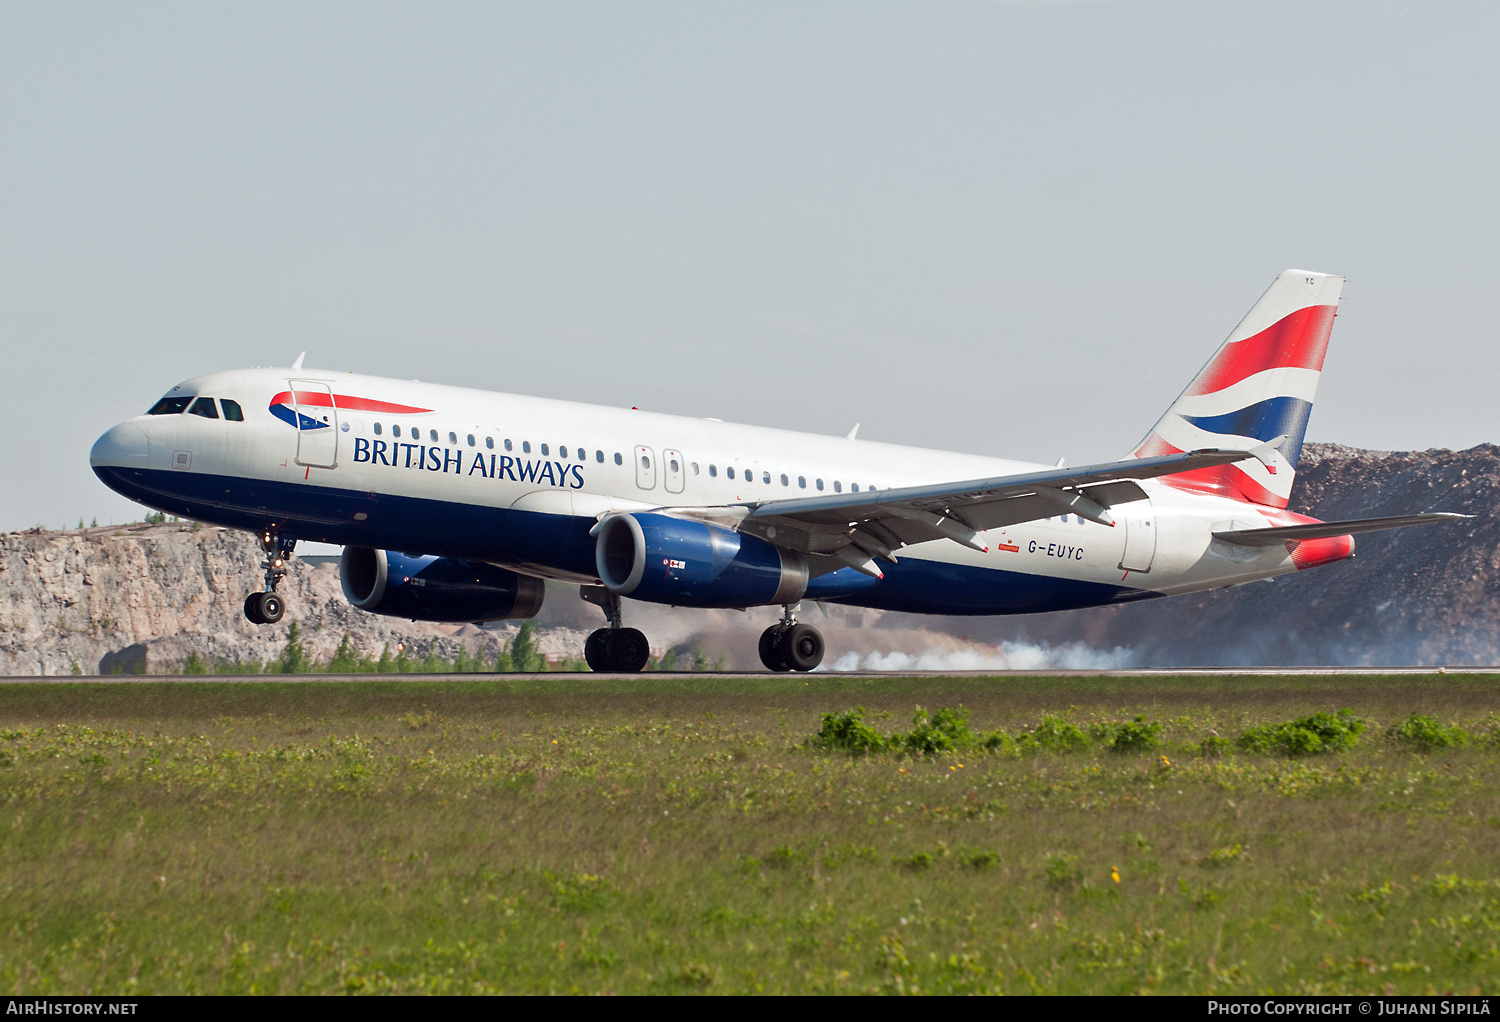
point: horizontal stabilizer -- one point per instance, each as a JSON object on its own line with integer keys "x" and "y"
{"x": 1320, "y": 530}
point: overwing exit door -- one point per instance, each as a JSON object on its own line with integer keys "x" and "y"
{"x": 645, "y": 468}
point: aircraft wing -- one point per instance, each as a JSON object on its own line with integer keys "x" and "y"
{"x": 853, "y": 528}
{"x": 1319, "y": 530}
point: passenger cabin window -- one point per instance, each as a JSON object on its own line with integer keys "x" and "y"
{"x": 525, "y": 447}
{"x": 673, "y": 465}
{"x": 395, "y": 430}
{"x": 802, "y": 483}
{"x": 471, "y": 439}
{"x": 377, "y": 429}
{"x": 619, "y": 460}
{"x": 838, "y": 487}
{"x": 783, "y": 479}
{"x": 205, "y": 407}
{"x": 562, "y": 452}
{"x": 729, "y": 471}
{"x": 584, "y": 455}
{"x": 170, "y": 405}
{"x": 713, "y": 471}
{"x": 854, "y": 487}
{"x": 432, "y": 435}
{"x": 599, "y": 457}
{"x": 765, "y": 477}
{"x": 507, "y": 445}
{"x": 820, "y": 483}
{"x": 489, "y": 443}
{"x": 544, "y": 450}
{"x": 695, "y": 468}
{"x": 453, "y": 439}
{"x": 232, "y": 410}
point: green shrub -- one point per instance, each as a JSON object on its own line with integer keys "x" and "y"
{"x": 1136, "y": 735}
{"x": 974, "y": 858}
{"x": 944, "y": 731}
{"x": 1062, "y": 869}
{"x": 916, "y": 863}
{"x": 849, "y": 732}
{"x": 1321, "y": 732}
{"x": 1425, "y": 733}
{"x": 1213, "y": 747}
{"x": 1053, "y": 734}
{"x": 785, "y": 857}
{"x": 1223, "y": 856}
{"x": 1000, "y": 742}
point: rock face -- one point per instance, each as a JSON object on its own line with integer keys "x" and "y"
{"x": 143, "y": 597}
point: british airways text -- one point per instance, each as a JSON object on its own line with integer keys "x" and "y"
{"x": 445, "y": 459}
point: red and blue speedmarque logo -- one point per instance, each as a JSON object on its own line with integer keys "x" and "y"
{"x": 284, "y": 406}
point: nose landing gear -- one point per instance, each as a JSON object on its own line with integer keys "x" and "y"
{"x": 266, "y": 608}
{"x": 789, "y": 646}
{"x": 614, "y": 648}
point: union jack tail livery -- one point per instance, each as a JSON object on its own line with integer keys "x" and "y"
{"x": 1258, "y": 386}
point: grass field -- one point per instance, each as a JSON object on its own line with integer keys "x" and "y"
{"x": 677, "y": 834}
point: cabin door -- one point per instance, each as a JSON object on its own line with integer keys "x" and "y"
{"x": 1140, "y": 534}
{"x": 317, "y": 424}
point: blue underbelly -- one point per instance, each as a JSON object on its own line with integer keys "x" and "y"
{"x": 560, "y": 543}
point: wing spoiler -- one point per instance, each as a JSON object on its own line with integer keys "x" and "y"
{"x": 1321, "y": 530}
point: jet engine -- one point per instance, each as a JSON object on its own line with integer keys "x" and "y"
{"x": 694, "y": 564}
{"x": 426, "y": 588}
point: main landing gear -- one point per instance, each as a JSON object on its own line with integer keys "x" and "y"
{"x": 266, "y": 608}
{"x": 789, "y": 646}
{"x": 613, "y": 649}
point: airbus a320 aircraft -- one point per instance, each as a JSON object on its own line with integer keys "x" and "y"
{"x": 455, "y": 504}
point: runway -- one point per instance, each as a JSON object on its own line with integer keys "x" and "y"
{"x": 1171, "y": 672}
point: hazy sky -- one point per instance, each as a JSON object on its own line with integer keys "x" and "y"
{"x": 1006, "y": 228}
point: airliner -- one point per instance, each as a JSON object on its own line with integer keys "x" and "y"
{"x": 455, "y": 505}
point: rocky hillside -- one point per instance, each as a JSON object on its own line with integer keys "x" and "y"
{"x": 142, "y": 597}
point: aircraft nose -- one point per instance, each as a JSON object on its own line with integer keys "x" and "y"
{"x": 124, "y": 445}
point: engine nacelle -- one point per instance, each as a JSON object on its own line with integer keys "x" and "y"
{"x": 429, "y": 588}
{"x": 694, "y": 564}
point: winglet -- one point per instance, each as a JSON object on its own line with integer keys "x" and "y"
{"x": 853, "y": 432}
{"x": 298, "y": 364}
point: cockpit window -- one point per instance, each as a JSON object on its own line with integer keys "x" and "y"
{"x": 170, "y": 405}
{"x": 205, "y": 407}
{"x": 232, "y": 410}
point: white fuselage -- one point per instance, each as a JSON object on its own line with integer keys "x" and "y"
{"x": 518, "y": 481}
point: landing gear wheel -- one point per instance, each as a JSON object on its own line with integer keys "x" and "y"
{"x": 770, "y": 650}
{"x": 626, "y": 650}
{"x": 594, "y": 652}
{"x": 252, "y": 609}
{"x": 270, "y": 607}
{"x": 802, "y": 647}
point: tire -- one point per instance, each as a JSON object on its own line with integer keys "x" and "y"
{"x": 252, "y": 609}
{"x": 626, "y": 650}
{"x": 802, "y": 647}
{"x": 594, "y": 652}
{"x": 270, "y": 607}
{"x": 770, "y": 650}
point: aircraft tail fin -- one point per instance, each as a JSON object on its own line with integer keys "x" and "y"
{"x": 1259, "y": 386}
